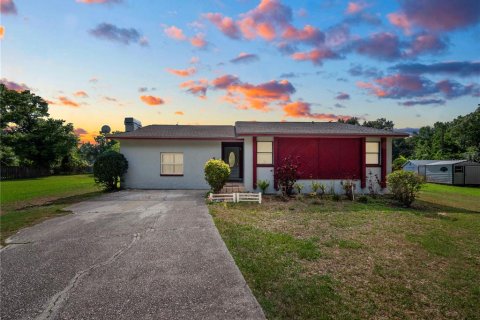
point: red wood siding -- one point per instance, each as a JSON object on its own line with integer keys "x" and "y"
{"x": 324, "y": 158}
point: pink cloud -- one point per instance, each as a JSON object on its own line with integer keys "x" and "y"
{"x": 426, "y": 43}
{"x": 355, "y": 7}
{"x": 401, "y": 21}
{"x": 182, "y": 72}
{"x": 225, "y": 24}
{"x": 308, "y": 34}
{"x": 300, "y": 109}
{"x": 316, "y": 56}
{"x": 179, "y": 113}
{"x": 99, "y": 1}
{"x": 244, "y": 57}
{"x": 442, "y": 15}
{"x": 81, "y": 94}
{"x": 8, "y": 7}
{"x": 196, "y": 87}
{"x": 152, "y": 100}
{"x": 11, "y": 85}
{"x": 175, "y": 33}
{"x": 382, "y": 45}
{"x": 67, "y": 102}
{"x": 2, "y": 32}
{"x": 198, "y": 41}
{"x": 225, "y": 81}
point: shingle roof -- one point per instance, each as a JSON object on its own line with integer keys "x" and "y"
{"x": 178, "y": 131}
{"x": 245, "y": 128}
{"x": 308, "y": 128}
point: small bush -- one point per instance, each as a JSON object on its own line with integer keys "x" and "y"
{"x": 315, "y": 186}
{"x": 323, "y": 190}
{"x": 109, "y": 169}
{"x": 263, "y": 185}
{"x": 349, "y": 188}
{"x": 287, "y": 174}
{"x": 298, "y": 187}
{"x": 216, "y": 174}
{"x": 335, "y": 197}
{"x": 363, "y": 199}
{"x": 404, "y": 186}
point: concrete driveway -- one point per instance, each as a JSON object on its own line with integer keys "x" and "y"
{"x": 126, "y": 255}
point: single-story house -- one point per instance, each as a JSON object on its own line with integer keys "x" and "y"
{"x": 417, "y": 166}
{"x": 456, "y": 172}
{"x": 173, "y": 156}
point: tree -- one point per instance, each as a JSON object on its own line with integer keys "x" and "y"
{"x": 352, "y": 120}
{"x": 380, "y": 123}
{"x": 90, "y": 151}
{"x": 109, "y": 169}
{"x": 287, "y": 173}
{"x": 26, "y": 130}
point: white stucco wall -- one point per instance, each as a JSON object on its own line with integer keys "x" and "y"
{"x": 144, "y": 163}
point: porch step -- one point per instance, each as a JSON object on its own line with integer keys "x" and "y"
{"x": 233, "y": 188}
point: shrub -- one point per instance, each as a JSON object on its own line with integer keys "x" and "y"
{"x": 109, "y": 169}
{"x": 373, "y": 184}
{"x": 363, "y": 199}
{"x": 287, "y": 174}
{"x": 298, "y": 187}
{"x": 335, "y": 197}
{"x": 263, "y": 185}
{"x": 216, "y": 174}
{"x": 315, "y": 186}
{"x": 323, "y": 189}
{"x": 399, "y": 162}
{"x": 349, "y": 188}
{"x": 404, "y": 186}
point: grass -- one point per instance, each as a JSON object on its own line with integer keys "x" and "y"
{"x": 459, "y": 197}
{"x": 322, "y": 259}
{"x": 30, "y": 201}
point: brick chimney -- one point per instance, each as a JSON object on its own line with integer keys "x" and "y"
{"x": 132, "y": 124}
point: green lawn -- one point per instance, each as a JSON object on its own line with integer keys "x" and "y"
{"x": 29, "y": 201}
{"x": 460, "y": 197}
{"x": 321, "y": 259}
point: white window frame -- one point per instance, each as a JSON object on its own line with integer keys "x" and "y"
{"x": 162, "y": 163}
{"x": 379, "y": 158}
{"x": 259, "y": 152}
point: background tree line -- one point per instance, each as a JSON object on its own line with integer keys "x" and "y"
{"x": 29, "y": 137}
{"x": 456, "y": 139}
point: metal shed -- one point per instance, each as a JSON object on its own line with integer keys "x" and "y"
{"x": 456, "y": 172}
{"x": 417, "y": 166}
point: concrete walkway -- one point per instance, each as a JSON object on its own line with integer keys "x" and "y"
{"x": 127, "y": 255}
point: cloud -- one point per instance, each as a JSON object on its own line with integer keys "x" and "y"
{"x": 99, "y": 1}
{"x": 179, "y": 113}
{"x": 355, "y": 7}
{"x": 441, "y": 15}
{"x": 400, "y": 86}
{"x": 93, "y": 80}
{"x": 8, "y": 7}
{"x": 342, "y": 96}
{"x": 182, "y": 72}
{"x": 381, "y": 45}
{"x": 198, "y": 41}
{"x": 67, "y": 102}
{"x": 107, "y": 31}
{"x": 81, "y": 94}
{"x": 2, "y": 32}
{"x": 456, "y": 68}
{"x": 308, "y": 34}
{"x": 401, "y": 21}
{"x": 259, "y": 97}
{"x": 245, "y": 58}
{"x": 225, "y": 81}
{"x": 316, "y": 56}
{"x": 300, "y": 109}
{"x": 194, "y": 60}
{"x": 339, "y": 106}
{"x": 357, "y": 70}
{"x": 410, "y": 103}
{"x": 196, "y": 87}
{"x": 111, "y": 99}
{"x": 152, "y": 100}
{"x": 225, "y": 24}
{"x": 175, "y": 33}
{"x": 11, "y": 85}
{"x": 425, "y": 43}
{"x": 80, "y": 131}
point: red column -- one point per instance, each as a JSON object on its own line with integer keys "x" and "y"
{"x": 276, "y": 161}
{"x": 363, "y": 165}
{"x": 254, "y": 141}
{"x": 383, "y": 153}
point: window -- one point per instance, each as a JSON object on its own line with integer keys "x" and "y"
{"x": 171, "y": 164}
{"x": 264, "y": 152}
{"x": 458, "y": 169}
{"x": 372, "y": 152}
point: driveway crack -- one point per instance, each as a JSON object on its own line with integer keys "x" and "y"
{"x": 58, "y": 300}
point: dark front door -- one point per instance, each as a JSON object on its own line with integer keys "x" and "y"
{"x": 232, "y": 154}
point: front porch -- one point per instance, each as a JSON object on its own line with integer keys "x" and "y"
{"x": 233, "y": 187}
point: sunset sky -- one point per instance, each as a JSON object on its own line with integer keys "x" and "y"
{"x": 214, "y": 62}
